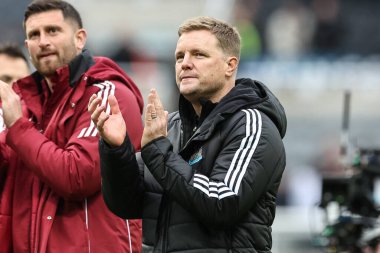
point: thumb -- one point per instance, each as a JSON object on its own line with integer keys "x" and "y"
{"x": 113, "y": 104}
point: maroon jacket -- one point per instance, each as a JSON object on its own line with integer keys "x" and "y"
{"x": 51, "y": 156}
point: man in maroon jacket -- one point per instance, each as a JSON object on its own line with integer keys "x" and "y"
{"x": 13, "y": 66}
{"x": 51, "y": 145}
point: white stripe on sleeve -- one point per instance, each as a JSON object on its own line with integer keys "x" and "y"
{"x": 239, "y": 163}
{"x": 106, "y": 88}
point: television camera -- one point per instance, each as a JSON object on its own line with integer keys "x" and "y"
{"x": 351, "y": 200}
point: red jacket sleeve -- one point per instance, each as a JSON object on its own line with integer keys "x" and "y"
{"x": 71, "y": 171}
{"x": 4, "y": 152}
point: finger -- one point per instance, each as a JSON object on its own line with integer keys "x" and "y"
{"x": 103, "y": 117}
{"x": 96, "y": 114}
{"x": 93, "y": 103}
{"x": 113, "y": 104}
{"x": 149, "y": 113}
{"x": 11, "y": 104}
{"x": 158, "y": 104}
{"x": 93, "y": 96}
{"x": 8, "y": 95}
{"x": 5, "y": 90}
{"x": 151, "y": 96}
{"x": 3, "y": 84}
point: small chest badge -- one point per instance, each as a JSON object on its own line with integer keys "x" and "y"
{"x": 196, "y": 157}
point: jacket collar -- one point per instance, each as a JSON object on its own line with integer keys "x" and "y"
{"x": 79, "y": 65}
{"x": 246, "y": 93}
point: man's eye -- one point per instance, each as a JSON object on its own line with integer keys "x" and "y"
{"x": 52, "y": 30}
{"x": 33, "y": 35}
{"x": 6, "y": 78}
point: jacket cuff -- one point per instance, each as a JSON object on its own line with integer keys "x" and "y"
{"x": 17, "y": 130}
{"x": 155, "y": 156}
{"x": 122, "y": 152}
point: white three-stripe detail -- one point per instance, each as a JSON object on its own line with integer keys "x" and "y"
{"x": 239, "y": 163}
{"x": 106, "y": 88}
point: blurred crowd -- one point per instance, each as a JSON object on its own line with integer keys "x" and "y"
{"x": 271, "y": 28}
{"x": 291, "y": 29}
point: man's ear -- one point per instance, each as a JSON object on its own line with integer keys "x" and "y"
{"x": 26, "y": 44}
{"x": 80, "y": 39}
{"x": 27, "y": 48}
{"x": 232, "y": 64}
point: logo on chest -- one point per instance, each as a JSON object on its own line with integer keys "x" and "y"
{"x": 196, "y": 157}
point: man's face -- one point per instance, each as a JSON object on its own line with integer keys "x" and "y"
{"x": 200, "y": 66}
{"x": 52, "y": 41}
{"x": 12, "y": 69}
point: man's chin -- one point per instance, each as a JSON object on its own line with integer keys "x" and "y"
{"x": 187, "y": 88}
{"x": 186, "y": 92}
{"x": 189, "y": 95}
{"x": 47, "y": 70}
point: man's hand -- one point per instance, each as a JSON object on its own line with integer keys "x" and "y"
{"x": 11, "y": 104}
{"x": 156, "y": 119}
{"x": 111, "y": 127}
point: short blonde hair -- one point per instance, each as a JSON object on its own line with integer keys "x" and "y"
{"x": 228, "y": 36}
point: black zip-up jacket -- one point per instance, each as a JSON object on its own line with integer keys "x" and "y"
{"x": 211, "y": 184}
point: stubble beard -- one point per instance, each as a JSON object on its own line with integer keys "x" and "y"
{"x": 49, "y": 67}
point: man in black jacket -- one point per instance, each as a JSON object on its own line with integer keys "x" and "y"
{"x": 213, "y": 168}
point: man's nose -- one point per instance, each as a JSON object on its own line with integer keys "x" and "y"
{"x": 187, "y": 62}
{"x": 44, "y": 40}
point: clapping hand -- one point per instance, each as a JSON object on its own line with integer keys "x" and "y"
{"x": 110, "y": 123}
{"x": 156, "y": 119}
{"x": 11, "y": 104}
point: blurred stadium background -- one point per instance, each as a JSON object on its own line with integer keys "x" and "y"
{"x": 309, "y": 52}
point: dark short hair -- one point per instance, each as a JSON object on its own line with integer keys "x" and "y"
{"x": 12, "y": 50}
{"x": 39, "y": 6}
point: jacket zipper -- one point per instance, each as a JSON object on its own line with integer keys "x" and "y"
{"x": 166, "y": 226}
{"x": 129, "y": 235}
{"x": 86, "y": 214}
